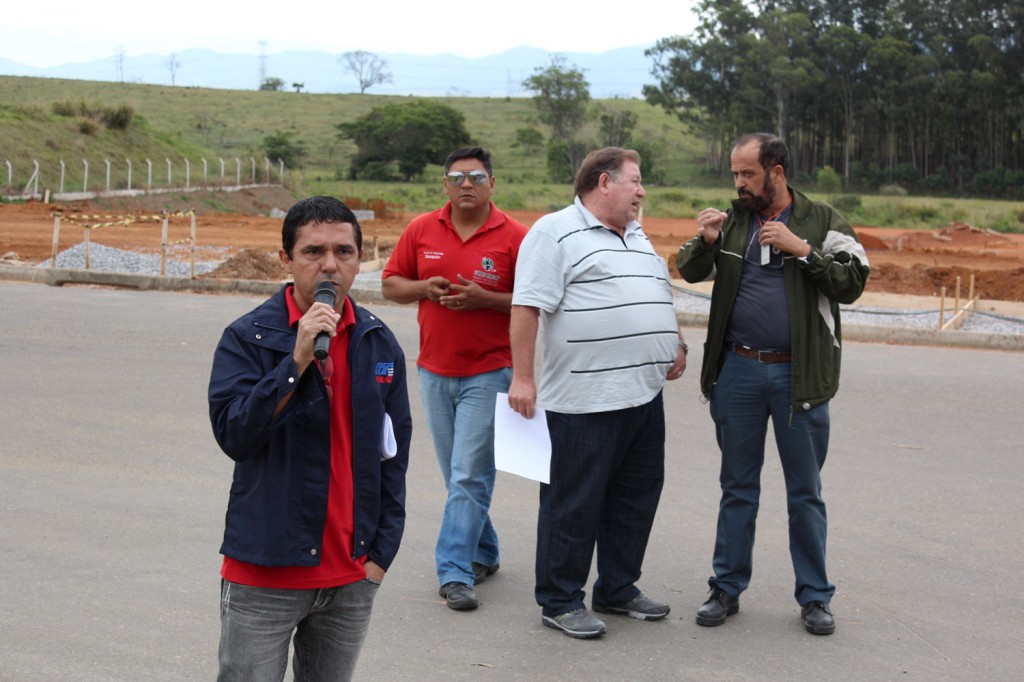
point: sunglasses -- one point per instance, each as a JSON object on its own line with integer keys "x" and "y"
{"x": 477, "y": 177}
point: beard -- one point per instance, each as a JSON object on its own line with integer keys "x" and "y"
{"x": 758, "y": 202}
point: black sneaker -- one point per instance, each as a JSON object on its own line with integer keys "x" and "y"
{"x": 818, "y": 618}
{"x": 641, "y": 607}
{"x": 718, "y": 606}
{"x": 482, "y": 571}
{"x": 459, "y": 596}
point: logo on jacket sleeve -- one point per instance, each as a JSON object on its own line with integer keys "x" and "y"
{"x": 385, "y": 372}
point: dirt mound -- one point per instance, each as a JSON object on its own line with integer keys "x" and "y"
{"x": 926, "y": 280}
{"x": 249, "y": 264}
{"x": 871, "y": 243}
{"x": 957, "y": 236}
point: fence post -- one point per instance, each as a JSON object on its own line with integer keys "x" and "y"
{"x": 188, "y": 173}
{"x": 192, "y": 266}
{"x": 149, "y": 174}
{"x": 221, "y": 169}
{"x": 87, "y": 242}
{"x": 253, "y": 170}
{"x": 280, "y": 171}
{"x": 266, "y": 170}
{"x": 9, "y": 174}
{"x": 107, "y": 161}
{"x": 129, "y": 174}
{"x": 204, "y": 172}
{"x": 85, "y": 176}
{"x": 168, "y": 172}
{"x": 35, "y": 175}
{"x": 62, "y": 176}
{"x": 238, "y": 172}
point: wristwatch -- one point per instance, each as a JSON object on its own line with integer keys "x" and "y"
{"x": 686, "y": 349}
{"x": 805, "y": 261}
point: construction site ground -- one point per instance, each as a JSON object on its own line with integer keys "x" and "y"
{"x": 908, "y": 267}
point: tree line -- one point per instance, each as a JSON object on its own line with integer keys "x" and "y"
{"x": 928, "y": 96}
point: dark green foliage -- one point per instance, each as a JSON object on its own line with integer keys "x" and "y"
{"x": 923, "y": 95}
{"x": 279, "y": 146}
{"x": 413, "y": 134}
{"x": 561, "y": 94}
{"x": 846, "y": 203}
{"x": 118, "y": 117}
{"x": 530, "y": 139}
{"x": 272, "y": 84}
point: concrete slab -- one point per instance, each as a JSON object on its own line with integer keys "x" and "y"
{"x": 113, "y": 491}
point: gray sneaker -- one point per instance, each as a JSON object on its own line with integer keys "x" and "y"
{"x": 641, "y": 607}
{"x": 577, "y": 623}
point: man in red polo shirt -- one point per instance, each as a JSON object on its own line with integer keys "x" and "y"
{"x": 458, "y": 264}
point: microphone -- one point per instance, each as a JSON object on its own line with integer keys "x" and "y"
{"x": 324, "y": 294}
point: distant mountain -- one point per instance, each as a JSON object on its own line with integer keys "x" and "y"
{"x": 617, "y": 73}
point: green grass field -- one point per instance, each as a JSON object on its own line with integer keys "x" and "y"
{"x": 193, "y": 123}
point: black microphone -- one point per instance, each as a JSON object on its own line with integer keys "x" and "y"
{"x": 324, "y": 294}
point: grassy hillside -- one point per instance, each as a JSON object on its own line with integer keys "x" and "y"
{"x": 195, "y": 123}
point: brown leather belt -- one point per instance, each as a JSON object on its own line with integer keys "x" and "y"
{"x": 759, "y": 355}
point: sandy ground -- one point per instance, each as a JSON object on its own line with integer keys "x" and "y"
{"x": 916, "y": 263}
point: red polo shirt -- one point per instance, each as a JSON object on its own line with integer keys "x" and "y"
{"x": 337, "y": 567}
{"x": 460, "y": 343}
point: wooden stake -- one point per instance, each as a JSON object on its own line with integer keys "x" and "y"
{"x": 87, "y": 242}
{"x": 56, "y": 238}
{"x": 192, "y": 266}
{"x": 163, "y": 247}
{"x": 942, "y": 307}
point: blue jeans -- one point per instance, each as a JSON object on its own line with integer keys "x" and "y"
{"x": 257, "y": 624}
{"x": 607, "y": 471}
{"x": 746, "y": 394}
{"x": 460, "y": 415}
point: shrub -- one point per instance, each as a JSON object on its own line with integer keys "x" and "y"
{"x": 846, "y": 203}
{"x": 117, "y": 118}
{"x": 827, "y": 181}
{"x": 87, "y": 126}
{"x": 892, "y": 190}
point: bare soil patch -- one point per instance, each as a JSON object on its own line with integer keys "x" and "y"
{"x": 236, "y": 226}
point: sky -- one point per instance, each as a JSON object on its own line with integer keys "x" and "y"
{"x": 70, "y": 31}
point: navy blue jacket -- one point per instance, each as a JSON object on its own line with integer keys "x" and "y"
{"x": 278, "y": 502}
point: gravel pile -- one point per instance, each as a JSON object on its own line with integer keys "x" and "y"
{"x": 109, "y": 259}
{"x": 982, "y": 322}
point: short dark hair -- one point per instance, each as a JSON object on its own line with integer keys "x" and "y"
{"x": 607, "y": 160}
{"x": 773, "y": 151}
{"x": 318, "y": 209}
{"x": 478, "y": 153}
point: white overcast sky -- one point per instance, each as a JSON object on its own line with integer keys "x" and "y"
{"x": 67, "y": 31}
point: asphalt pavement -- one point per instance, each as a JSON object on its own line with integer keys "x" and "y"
{"x": 113, "y": 491}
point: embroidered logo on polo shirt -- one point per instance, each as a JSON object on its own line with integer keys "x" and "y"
{"x": 385, "y": 372}
{"x": 487, "y": 264}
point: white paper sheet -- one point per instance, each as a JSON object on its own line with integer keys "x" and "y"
{"x": 521, "y": 446}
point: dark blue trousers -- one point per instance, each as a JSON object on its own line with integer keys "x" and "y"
{"x": 746, "y": 394}
{"x": 607, "y": 470}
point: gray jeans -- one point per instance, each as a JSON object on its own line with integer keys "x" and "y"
{"x": 257, "y": 624}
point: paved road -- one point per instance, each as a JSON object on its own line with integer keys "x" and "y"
{"x": 112, "y": 494}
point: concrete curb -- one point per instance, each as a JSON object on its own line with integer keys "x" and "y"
{"x": 863, "y": 333}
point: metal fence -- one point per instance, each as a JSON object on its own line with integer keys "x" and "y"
{"x": 76, "y": 181}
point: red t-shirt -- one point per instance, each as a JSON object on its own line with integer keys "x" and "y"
{"x": 337, "y": 567}
{"x": 460, "y": 342}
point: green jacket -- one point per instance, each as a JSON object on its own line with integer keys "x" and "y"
{"x": 835, "y": 273}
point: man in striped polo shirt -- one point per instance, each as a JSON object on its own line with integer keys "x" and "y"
{"x": 591, "y": 290}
